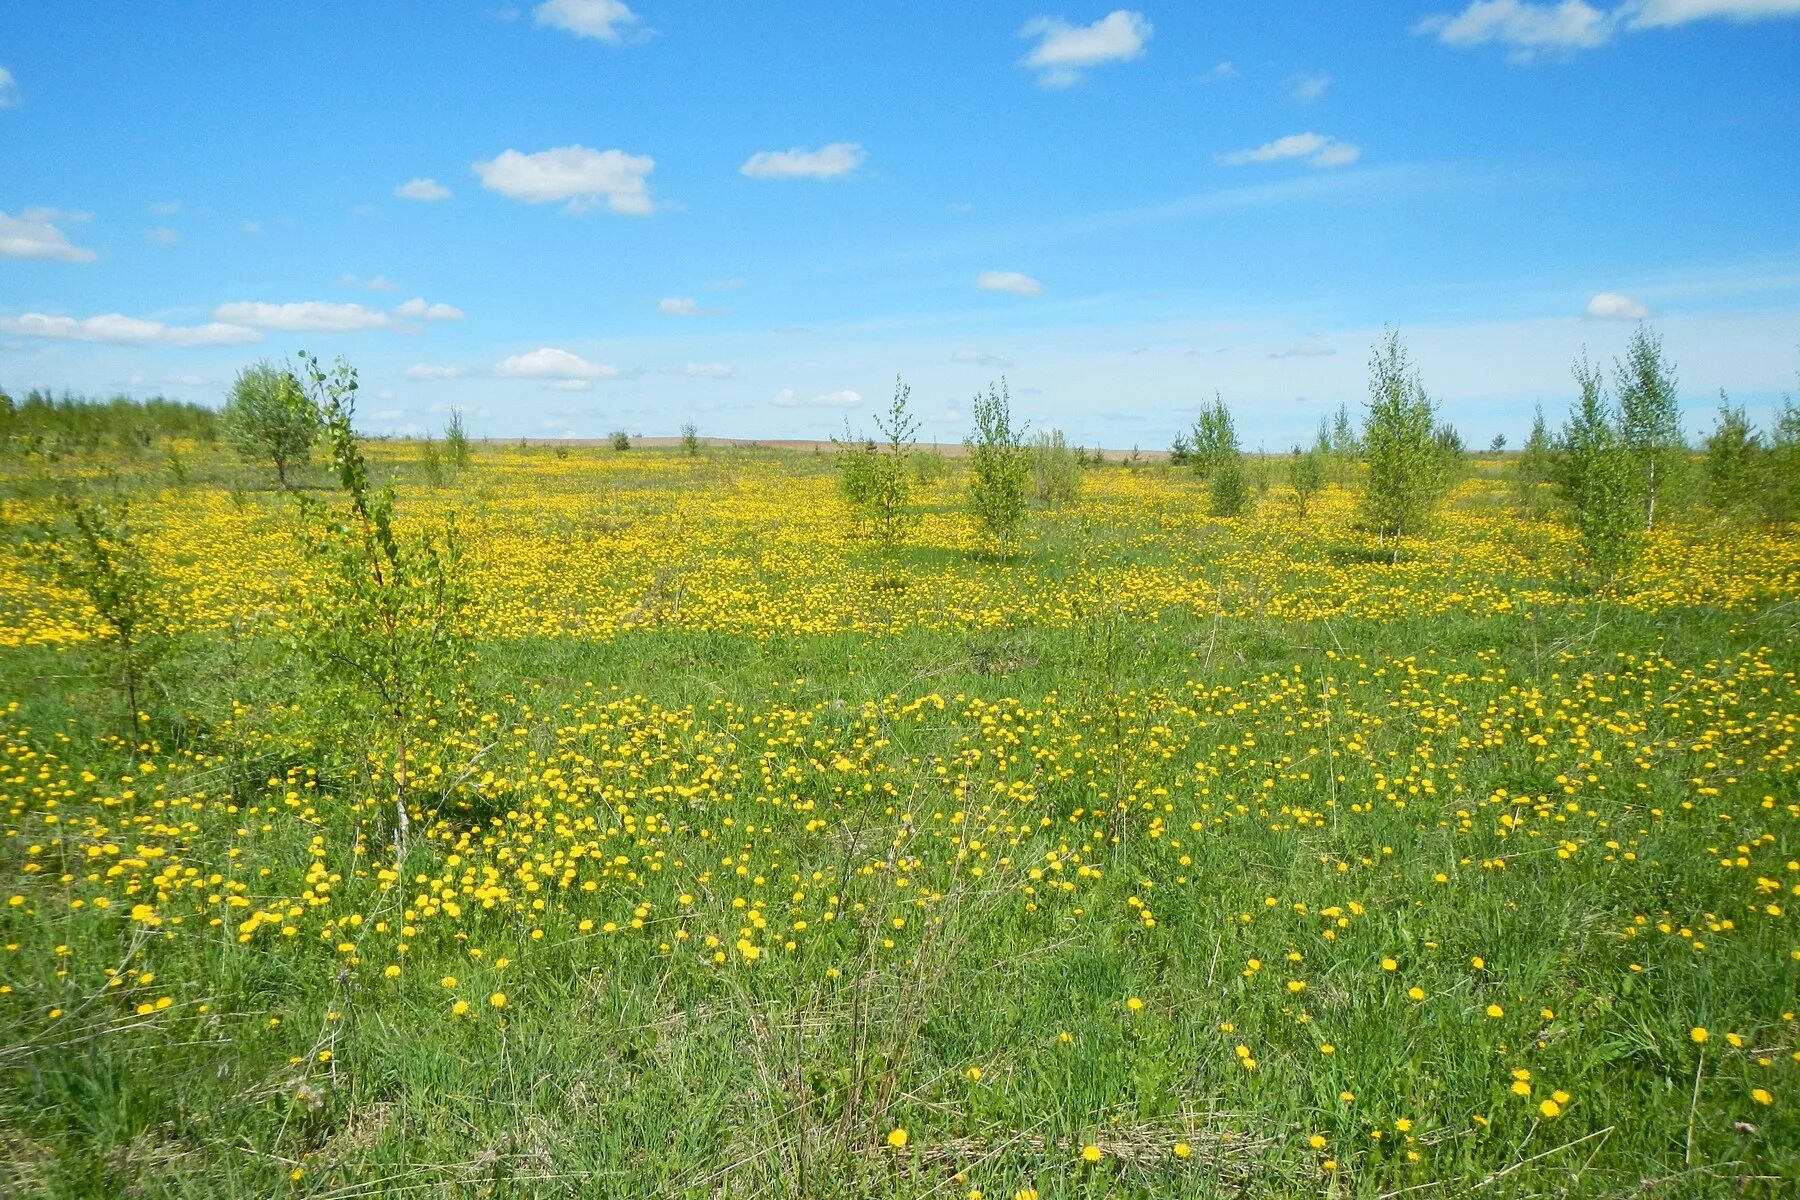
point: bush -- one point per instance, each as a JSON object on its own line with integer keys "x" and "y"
{"x": 620, "y": 439}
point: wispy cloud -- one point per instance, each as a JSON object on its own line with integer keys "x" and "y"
{"x": 1313, "y": 148}
{"x": 832, "y": 161}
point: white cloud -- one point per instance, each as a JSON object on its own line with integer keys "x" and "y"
{"x": 1220, "y": 73}
{"x": 827, "y": 162}
{"x": 303, "y": 316}
{"x": 32, "y": 234}
{"x": 166, "y": 208}
{"x": 980, "y": 358}
{"x": 1664, "y": 14}
{"x": 252, "y": 227}
{"x": 1309, "y": 87}
{"x": 126, "y": 331}
{"x": 432, "y": 372}
{"x": 1530, "y": 31}
{"x": 549, "y": 362}
{"x": 381, "y": 283}
{"x": 426, "y": 190}
{"x": 581, "y": 176}
{"x": 162, "y": 235}
{"x": 677, "y": 306}
{"x": 9, "y": 89}
{"x": 416, "y": 307}
{"x": 1016, "y": 282}
{"x": 842, "y": 398}
{"x": 1315, "y": 148}
{"x": 1304, "y": 349}
{"x": 700, "y": 370}
{"x": 1064, "y": 51}
{"x": 569, "y": 385}
{"x": 602, "y": 20}
{"x": 1611, "y": 306}
{"x": 389, "y": 415}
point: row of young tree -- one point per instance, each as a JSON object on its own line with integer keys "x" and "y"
{"x": 46, "y": 424}
{"x": 878, "y": 476}
{"x": 1618, "y": 464}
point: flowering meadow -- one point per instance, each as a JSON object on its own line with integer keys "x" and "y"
{"x": 1168, "y": 856}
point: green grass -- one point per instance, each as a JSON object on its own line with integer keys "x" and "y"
{"x": 1255, "y": 783}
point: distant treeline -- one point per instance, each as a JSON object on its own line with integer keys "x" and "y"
{"x": 45, "y": 422}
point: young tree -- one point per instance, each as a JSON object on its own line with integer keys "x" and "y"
{"x": 456, "y": 442}
{"x": 1215, "y": 443}
{"x": 93, "y": 552}
{"x": 1599, "y": 478}
{"x": 384, "y": 621}
{"x": 1406, "y": 477}
{"x": 998, "y": 468}
{"x": 1781, "y": 492}
{"x": 876, "y": 483}
{"x": 1536, "y": 464}
{"x": 1306, "y": 475}
{"x": 1651, "y": 419}
{"x": 1344, "y": 445}
{"x": 690, "y": 440}
{"x": 1055, "y": 468}
{"x": 1734, "y": 462}
{"x": 269, "y": 418}
{"x": 1498, "y": 445}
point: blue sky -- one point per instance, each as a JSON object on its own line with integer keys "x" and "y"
{"x": 631, "y": 215}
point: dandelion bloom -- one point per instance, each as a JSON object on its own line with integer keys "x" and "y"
{"x": 897, "y": 1138}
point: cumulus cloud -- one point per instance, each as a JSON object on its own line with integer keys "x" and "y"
{"x": 116, "y": 329}
{"x": 304, "y": 316}
{"x": 1314, "y": 148}
{"x": 1016, "y": 282}
{"x": 602, "y": 20}
{"x": 980, "y": 358}
{"x": 432, "y": 372}
{"x": 162, "y": 235}
{"x": 417, "y": 307}
{"x": 33, "y": 234}
{"x": 1612, "y": 306}
{"x": 1309, "y": 87}
{"x": 9, "y": 89}
{"x": 426, "y": 190}
{"x": 677, "y": 306}
{"x": 827, "y": 162}
{"x": 576, "y": 174}
{"x": 842, "y": 398}
{"x": 549, "y": 362}
{"x": 1064, "y": 51}
{"x": 1220, "y": 73}
{"x": 700, "y": 370}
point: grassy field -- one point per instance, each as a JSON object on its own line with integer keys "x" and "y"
{"x": 1172, "y": 856}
